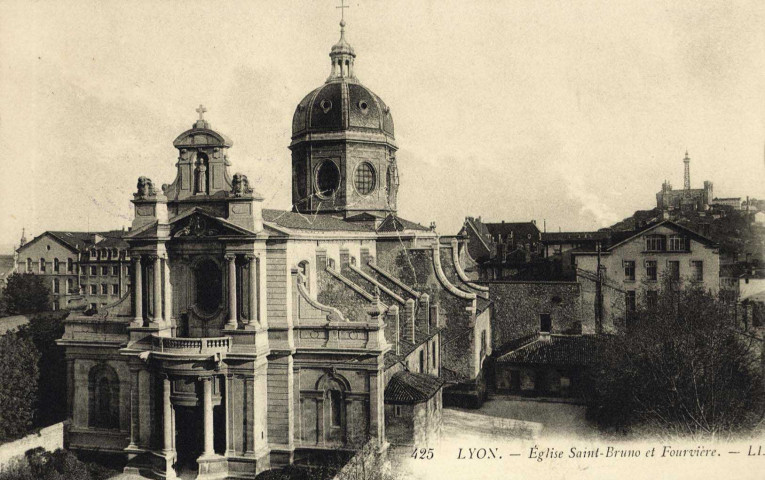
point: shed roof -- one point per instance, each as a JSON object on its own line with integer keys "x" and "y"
{"x": 411, "y": 388}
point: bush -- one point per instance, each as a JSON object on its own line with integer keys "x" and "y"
{"x": 59, "y": 465}
{"x": 683, "y": 368}
{"x": 18, "y": 384}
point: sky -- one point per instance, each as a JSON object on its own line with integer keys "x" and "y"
{"x": 568, "y": 113}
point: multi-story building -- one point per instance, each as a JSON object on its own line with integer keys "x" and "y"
{"x": 638, "y": 262}
{"x": 253, "y": 338}
{"x": 695, "y": 199}
{"x": 83, "y": 270}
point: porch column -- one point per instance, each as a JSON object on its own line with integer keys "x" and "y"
{"x": 208, "y": 417}
{"x": 157, "y": 289}
{"x": 252, "y": 266}
{"x": 232, "y": 315}
{"x": 134, "y": 409}
{"x": 167, "y": 416}
{"x": 138, "y": 292}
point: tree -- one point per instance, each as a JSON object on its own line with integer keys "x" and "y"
{"x": 683, "y": 367}
{"x": 26, "y": 293}
{"x": 43, "y": 330}
{"x": 18, "y": 384}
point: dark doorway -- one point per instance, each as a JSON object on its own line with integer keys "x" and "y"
{"x": 189, "y": 439}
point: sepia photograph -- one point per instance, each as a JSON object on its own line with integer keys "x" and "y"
{"x": 382, "y": 240}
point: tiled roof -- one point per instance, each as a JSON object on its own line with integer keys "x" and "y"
{"x": 553, "y": 237}
{"x": 394, "y": 223}
{"x": 406, "y": 347}
{"x": 521, "y": 229}
{"x": 300, "y": 221}
{"x": 411, "y": 388}
{"x": 559, "y": 350}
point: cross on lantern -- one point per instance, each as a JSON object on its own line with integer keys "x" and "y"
{"x": 201, "y": 111}
{"x": 342, "y": 8}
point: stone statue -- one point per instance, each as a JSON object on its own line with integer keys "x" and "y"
{"x": 145, "y": 188}
{"x": 240, "y": 185}
{"x": 201, "y": 184}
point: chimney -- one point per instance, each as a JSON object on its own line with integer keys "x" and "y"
{"x": 435, "y": 319}
{"x": 393, "y": 318}
{"x": 408, "y": 333}
{"x": 423, "y": 313}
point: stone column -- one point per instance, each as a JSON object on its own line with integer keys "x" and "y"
{"x": 70, "y": 387}
{"x": 167, "y": 416}
{"x": 231, "y": 324}
{"x": 138, "y": 292}
{"x": 209, "y": 449}
{"x": 168, "y": 294}
{"x": 134, "y": 407}
{"x": 230, "y": 433}
{"x": 252, "y": 266}
{"x": 157, "y": 289}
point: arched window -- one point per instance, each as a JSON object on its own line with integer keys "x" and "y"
{"x": 42, "y": 265}
{"x": 55, "y": 265}
{"x": 333, "y": 414}
{"x": 209, "y": 285}
{"x": 69, "y": 265}
{"x": 103, "y": 397}
{"x": 29, "y": 265}
{"x": 305, "y": 270}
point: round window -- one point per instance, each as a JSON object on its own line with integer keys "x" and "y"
{"x": 327, "y": 178}
{"x": 364, "y": 178}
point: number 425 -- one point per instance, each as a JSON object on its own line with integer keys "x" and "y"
{"x": 422, "y": 453}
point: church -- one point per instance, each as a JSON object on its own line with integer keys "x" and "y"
{"x": 252, "y": 338}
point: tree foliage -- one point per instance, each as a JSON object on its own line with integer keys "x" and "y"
{"x": 18, "y": 384}
{"x": 683, "y": 367}
{"x": 26, "y": 293}
{"x": 58, "y": 465}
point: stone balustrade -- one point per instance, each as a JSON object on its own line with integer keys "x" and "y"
{"x": 203, "y": 346}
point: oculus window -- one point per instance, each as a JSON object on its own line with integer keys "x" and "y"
{"x": 364, "y": 178}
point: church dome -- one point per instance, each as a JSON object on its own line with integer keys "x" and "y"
{"x": 342, "y": 103}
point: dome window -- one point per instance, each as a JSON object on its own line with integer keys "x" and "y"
{"x": 363, "y": 106}
{"x": 327, "y": 179}
{"x": 364, "y": 178}
{"x": 326, "y": 105}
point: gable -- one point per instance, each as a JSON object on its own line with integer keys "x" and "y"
{"x": 197, "y": 224}
{"x": 38, "y": 246}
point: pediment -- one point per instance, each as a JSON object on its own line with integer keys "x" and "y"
{"x": 198, "y": 224}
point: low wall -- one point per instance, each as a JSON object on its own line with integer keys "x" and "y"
{"x": 49, "y": 438}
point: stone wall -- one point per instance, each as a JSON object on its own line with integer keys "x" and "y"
{"x": 518, "y": 306}
{"x": 49, "y": 438}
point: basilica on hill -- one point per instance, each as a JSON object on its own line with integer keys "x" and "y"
{"x": 250, "y": 338}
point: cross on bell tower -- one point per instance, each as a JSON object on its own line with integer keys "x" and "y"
{"x": 342, "y": 8}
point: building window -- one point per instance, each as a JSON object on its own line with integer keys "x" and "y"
{"x": 103, "y": 397}
{"x": 364, "y": 178}
{"x": 545, "y": 323}
{"x": 677, "y": 243}
{"x": 433, "y": 354}
{"x": 335, "y": 405}
{"x": 655, "y": 243}
{"x": 56, "y": 286}
{"x": 674, "y": 269}
{"x": 651, "y": 298}
{"x": 115, "y": 289}
{"x": 29, "y": 265}
{"x": 69, "y": 265}
{"x": 698, "y": 270}
{"x": 55, "y": 265}
{"x": 651, "y": 272}
{"x": 629, "y": 270}
{"x": 56, "y": 305}
{"x": 42, "y": 265}
{"x": 104, "y": 270}
{"x": 94, "y": 290}
{"x": 94, "y": 306}
{"x": 104, "y": 289}
{"x": 327, "y": 179}
{"x": 116, "y": 270}
{"x": 422, "y": 361}
{"x": 631, "y": 303}
{"x": 397, "y": 410}
{"x": 93, "y": 270}
{"x": 69, "y": 285}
